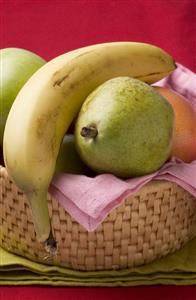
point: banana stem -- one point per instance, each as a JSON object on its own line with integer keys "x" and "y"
{"x": 38, "y": 203}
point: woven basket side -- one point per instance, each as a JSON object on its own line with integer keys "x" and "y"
{"x": 156, "y": 221}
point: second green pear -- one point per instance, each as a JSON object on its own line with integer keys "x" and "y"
{"x": 68, "y": 160}
{"x": 125, "y": 128}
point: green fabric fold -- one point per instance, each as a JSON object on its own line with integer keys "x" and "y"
{"x": 176, "y": 269}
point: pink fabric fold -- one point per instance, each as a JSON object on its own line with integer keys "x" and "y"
{"x": 89, "y": 200}
{"x": 183, "y": 81}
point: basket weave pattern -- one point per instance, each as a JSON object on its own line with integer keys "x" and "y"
{"x": 156, "y": 221}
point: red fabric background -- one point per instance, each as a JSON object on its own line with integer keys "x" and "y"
{"x": 51, "y": 27}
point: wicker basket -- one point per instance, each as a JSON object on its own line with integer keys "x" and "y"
{"x": 156, "y": 221}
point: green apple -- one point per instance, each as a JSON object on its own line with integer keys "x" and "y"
{"x": 16, "y": 67}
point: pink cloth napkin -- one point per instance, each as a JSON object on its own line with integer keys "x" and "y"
{"x": 89, "y": 200}
{"x": 183, "y": 81}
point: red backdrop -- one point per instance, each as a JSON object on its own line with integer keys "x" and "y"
{"x": 51, "y": 27}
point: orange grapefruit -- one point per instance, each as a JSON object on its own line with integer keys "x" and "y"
{"x": 184, "y": 136}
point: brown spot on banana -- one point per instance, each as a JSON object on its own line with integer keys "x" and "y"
{"x": 59, "y": 81}
{"x": 149, "y": 74}
{"x": 48, "y": 120}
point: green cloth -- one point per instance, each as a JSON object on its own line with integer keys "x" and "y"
{"x": 176, "y": 269}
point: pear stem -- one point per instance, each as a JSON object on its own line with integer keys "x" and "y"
{"x": 89, "y": 132}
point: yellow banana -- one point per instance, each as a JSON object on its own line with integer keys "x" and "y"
{"x": 51, "y": 99}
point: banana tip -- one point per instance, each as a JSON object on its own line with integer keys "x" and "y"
{"x": 51, "y": 245}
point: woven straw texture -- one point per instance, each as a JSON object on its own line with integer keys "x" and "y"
{"x": 156, "y": 221}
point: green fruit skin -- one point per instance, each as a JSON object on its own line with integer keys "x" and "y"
{"x": 135, "y": 126}
{"x": 16, "y": 67}
{"x": 68, "y": 160}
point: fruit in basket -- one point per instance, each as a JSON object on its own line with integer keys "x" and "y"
{"x": 16, "y": 67}
{"x": 52, "y": 99}
{"x": 184, "y": 137}
{"x": 68, "y": 160}
{"x": 125, "y": 128}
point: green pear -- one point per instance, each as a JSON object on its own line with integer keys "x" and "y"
{"x": 16, "y": 67}
{"x": 125, "y": 128}
{"x": 68, "y": 160}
